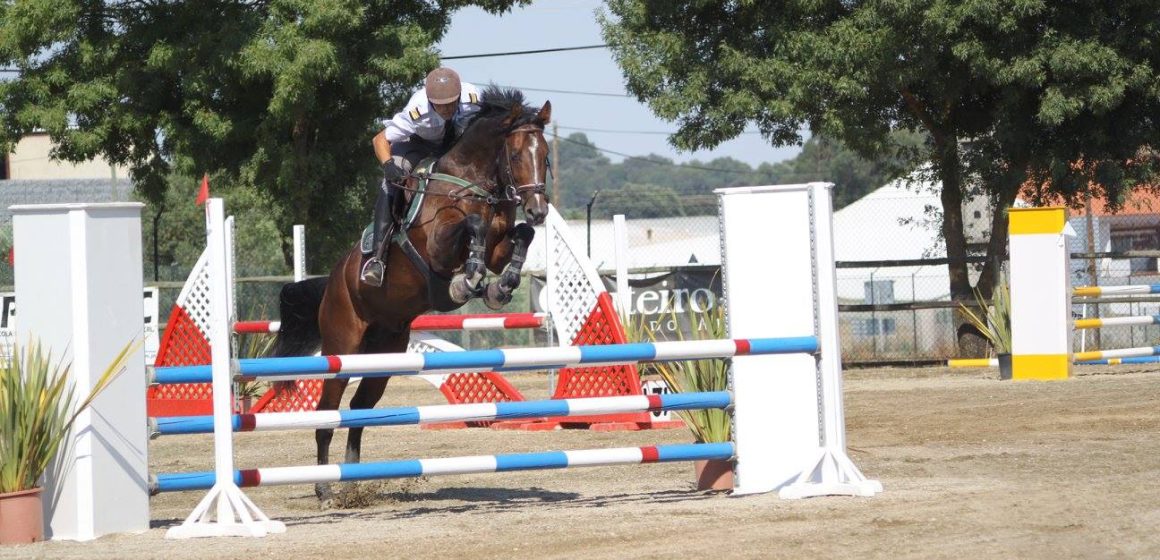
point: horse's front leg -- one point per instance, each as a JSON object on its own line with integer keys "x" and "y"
{"x": 499, "y": 293}
{"x": 469, "y": 283}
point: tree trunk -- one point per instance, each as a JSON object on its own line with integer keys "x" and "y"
{"x": 950, "y": 172}
{"x": 997, "y": 244}
{"x": 971, "y": 343}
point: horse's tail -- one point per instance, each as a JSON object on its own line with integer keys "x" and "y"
{"x": 298, "y": 307}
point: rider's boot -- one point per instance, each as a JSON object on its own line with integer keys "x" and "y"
{"x": 374, "y": 270}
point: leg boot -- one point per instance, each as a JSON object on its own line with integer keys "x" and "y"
{"x": 374, "y": 269}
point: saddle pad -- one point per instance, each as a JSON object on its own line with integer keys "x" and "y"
{"x": 367, "y": 241}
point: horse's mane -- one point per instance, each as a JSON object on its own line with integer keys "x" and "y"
{"x": 497, "y": 102}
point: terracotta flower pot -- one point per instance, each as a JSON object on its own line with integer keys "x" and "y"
{"x": 21, "y": 517}
{"x": 714, "y": 474}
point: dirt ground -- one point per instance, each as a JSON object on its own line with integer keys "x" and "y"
{"x": 972, "y": 467}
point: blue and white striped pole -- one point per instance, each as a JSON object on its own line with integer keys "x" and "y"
{"x": 397, "y": 416}
{"x": 451, "y": 465}
{"x": 518, "y": 359}
{"x": 1122, "y": 361}
{"x": 1138, "y": 352}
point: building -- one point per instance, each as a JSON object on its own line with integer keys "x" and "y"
{"x": 32, "y": 159}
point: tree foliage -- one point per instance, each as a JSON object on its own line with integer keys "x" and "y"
{"x": 654, "y": 186}
{"x": 278, "y": 96}
{"x": 1061, "y": 94}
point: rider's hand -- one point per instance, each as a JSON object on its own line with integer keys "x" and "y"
{"x": 392, "y": 172}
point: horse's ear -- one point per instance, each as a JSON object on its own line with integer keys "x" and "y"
{"x": 545, "y": 114}
{"x": 517, "y": 110}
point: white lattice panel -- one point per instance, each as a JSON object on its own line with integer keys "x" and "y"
{"x": 572, "y": 280}
{"x": 194, "y": 297}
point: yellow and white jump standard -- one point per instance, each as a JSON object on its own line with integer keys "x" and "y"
{"x": 1041, "y": 322}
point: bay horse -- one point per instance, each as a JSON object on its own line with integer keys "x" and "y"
{"x": 461, "y": 225}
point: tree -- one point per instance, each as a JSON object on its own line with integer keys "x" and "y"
{"x": 279, "y": 95}
{"x": 583, "y": 169}
{"x": 1061, "y": 95}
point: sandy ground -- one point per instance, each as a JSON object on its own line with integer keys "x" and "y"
{"x": 972, "y": 467}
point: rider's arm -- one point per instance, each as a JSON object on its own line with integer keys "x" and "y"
{"x": 382, "y": 147}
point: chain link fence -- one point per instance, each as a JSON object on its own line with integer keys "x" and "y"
{"x": 894, "y": 303}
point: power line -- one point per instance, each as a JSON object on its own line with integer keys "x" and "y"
{"x": 668, "y": 163}
{"x": 613, "y": 131}
{"x": 514, "y": 53}
{"x": 573, "y": 92}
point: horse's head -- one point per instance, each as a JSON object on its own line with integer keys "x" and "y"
{"x": 523, "y": 162}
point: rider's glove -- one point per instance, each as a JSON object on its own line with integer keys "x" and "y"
{"x": 392, "y": 172}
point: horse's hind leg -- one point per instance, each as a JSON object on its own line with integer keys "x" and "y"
{"x": 499, "y": 293}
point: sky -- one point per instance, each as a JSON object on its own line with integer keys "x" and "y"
{"x": 572, "y": 23}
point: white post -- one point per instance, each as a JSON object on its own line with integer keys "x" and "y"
{"x": 235, "y": 515}
{"x": 788, "y": 424}
{"x": 79, "y": 283}
{"x": 623, "y": 295}
{"x": 1041, "y": 324}
{"x": 299, "y": 253}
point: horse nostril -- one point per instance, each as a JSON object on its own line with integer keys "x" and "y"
{"x": 536, "y": 214}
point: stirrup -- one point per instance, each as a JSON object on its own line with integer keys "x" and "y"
{"x": 372, "y": 272}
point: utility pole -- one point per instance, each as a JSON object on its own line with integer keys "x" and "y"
{"x": 556, "y": 164}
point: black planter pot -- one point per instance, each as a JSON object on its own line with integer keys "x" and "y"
{"x": 1004, "y": 366}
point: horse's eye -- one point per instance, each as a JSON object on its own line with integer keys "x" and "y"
{"x": 514, "y": 157}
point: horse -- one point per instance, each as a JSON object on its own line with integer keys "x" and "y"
{"x": 462, "y": 224}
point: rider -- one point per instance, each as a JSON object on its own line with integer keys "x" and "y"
{"x": 418, "y": 131}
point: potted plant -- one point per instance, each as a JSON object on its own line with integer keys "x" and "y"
{"x": 36, "y": 413}
{"x": 708, "y": 425}
{"x": 993, "y": 321}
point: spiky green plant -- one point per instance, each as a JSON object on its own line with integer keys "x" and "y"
{"x": 254, "y": 345}
{"x": 691, "y": 376}
{"x": 37, "y": 412}
{"x": 994, "y": 320}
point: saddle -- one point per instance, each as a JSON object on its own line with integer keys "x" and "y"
{"x": 423, "y": 172}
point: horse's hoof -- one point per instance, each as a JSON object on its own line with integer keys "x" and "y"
{"x": 459, "y": 291}
{"x": 496, "y": 297}
{"x": 325, "y": 496}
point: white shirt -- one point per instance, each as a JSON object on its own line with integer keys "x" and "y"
{"x": 419, "y": 117}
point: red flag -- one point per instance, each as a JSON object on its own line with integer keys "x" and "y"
{"x": 203, "y": 194}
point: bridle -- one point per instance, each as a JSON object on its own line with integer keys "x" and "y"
{"x": 509, "y": 192}
{"x": 516, "y": 193}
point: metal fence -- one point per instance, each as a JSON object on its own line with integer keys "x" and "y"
{"x": 892, "y": 281}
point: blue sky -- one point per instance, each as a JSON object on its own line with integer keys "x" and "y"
{"x": 571, "y": 23}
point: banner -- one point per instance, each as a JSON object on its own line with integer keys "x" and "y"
{"x": 677, "y": 305}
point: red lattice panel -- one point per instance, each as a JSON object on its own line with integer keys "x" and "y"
{"x": 182, "y": 344}
{"x": 473, "y": 388}
{"x": 301, "y": 395}
{"x": 601, "y": 327}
